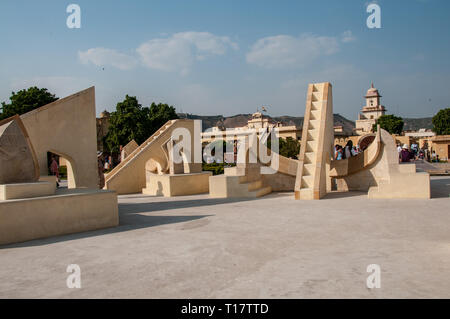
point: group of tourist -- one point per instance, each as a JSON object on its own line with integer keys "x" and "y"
{"x": 408, "y": 154}
{"x": 347, "y": 151}
{"x": 405, "y": 152}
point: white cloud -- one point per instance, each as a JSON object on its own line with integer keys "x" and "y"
{"x": 287, "y": 51}
{"x": 107, "y": 57}
{"x": 179, "y": 51}
{"x": 347, "y": 37}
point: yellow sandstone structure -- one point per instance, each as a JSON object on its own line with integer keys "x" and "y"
{"x": 316, "y": 149}
{"x": 376, "y": 170}
{"x": 66, "y": 127}
{"x": 128, "y": 149}
{"x": 31, "y": 210}
{"x": 151, "y": 169}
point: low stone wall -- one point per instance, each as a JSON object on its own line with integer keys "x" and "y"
{"x": 67, "y": 212}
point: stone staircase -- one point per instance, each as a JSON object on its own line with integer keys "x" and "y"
{"x": 138, "y": 150}
{"x": 129, "y": 176}
{"x": 316, "y": 136}
{"x": 239, "y": 182}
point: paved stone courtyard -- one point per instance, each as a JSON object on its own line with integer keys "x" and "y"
{"x": 274, "y": 247}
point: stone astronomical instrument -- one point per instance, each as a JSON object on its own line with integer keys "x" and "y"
{"x": 18, "y": 162}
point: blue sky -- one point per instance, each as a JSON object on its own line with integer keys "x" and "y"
{"x": 229, "y": 57}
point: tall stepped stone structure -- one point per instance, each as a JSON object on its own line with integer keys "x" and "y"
{"x": 312, "y": 180}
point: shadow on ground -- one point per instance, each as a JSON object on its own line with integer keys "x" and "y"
{"x": 336, "y": 194}
{"x": 170, "y": 204}
{"x": 440, "y": 187}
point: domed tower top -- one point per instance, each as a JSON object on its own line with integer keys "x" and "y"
{"x": 105, "y": 113}
{"x": 373, "y": 103}
{"x": 372, "y": 92}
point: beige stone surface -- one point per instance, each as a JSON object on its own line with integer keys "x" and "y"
{"x": 169, "y": 185}
{"x": 18, "y": 163}
{"x": 26, "y": 190}
{"x": 67, "y": 127}
{"x": 69, "y": 211}
{"x": 271, "y": 247}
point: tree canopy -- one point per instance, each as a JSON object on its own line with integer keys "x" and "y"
{"x": 391, "y": 123}
{"x": 133, "y": 121}
{"x": 288, "y": 147}
{"x": 25, "y": 101}
{"x": 441, "y": 122}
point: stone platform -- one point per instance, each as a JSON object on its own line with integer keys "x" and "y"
{"x": 66, "y": 212}
{"x": 271, "y": 247}
{"x": 26, "y": 190}
{"x": 169, "y": 185}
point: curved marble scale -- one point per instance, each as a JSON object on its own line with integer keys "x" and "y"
{"x": 18, "y": 163}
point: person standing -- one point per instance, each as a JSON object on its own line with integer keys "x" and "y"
{"x": 348, "y": 150}
{"x": 338, "y": 154}
{"x": 101, "y": 175}
{"x": 54, "y": 169}
{"x": 405, "y": 154}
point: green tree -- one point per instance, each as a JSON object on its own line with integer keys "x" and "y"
{"x": 441, "y": 122}
{"x": 288, "y": 147}
{"x": 25, "y": 101}
{"x": 132, "y": 121}
{"x": 157, "y": 116}
{"x": 391, "y": 123}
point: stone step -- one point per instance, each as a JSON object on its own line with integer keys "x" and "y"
{"x": 313, "y": 133}
{"x": 316, "y": 96}
{"x": 309, "y": 157}
{"x": 261, "y": 192}
{"x": 316, "y": 105}
{"x": 311, "y": 146}
{"x": 308, "y": 169}
{"x": 255, "y": 185}
{"x": 315, "y": 115}
{"x": 307, "y": 181}
{"x": 313, "y": 124}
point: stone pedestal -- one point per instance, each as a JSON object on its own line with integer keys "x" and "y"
{"x": 66, "y": 212}
{"x": 169, "y": 185}
{"x": 26, "y": 190}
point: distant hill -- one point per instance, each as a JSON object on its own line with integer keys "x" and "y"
{"x": 416, "y": 124}
{"x": 240, "y": 120}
